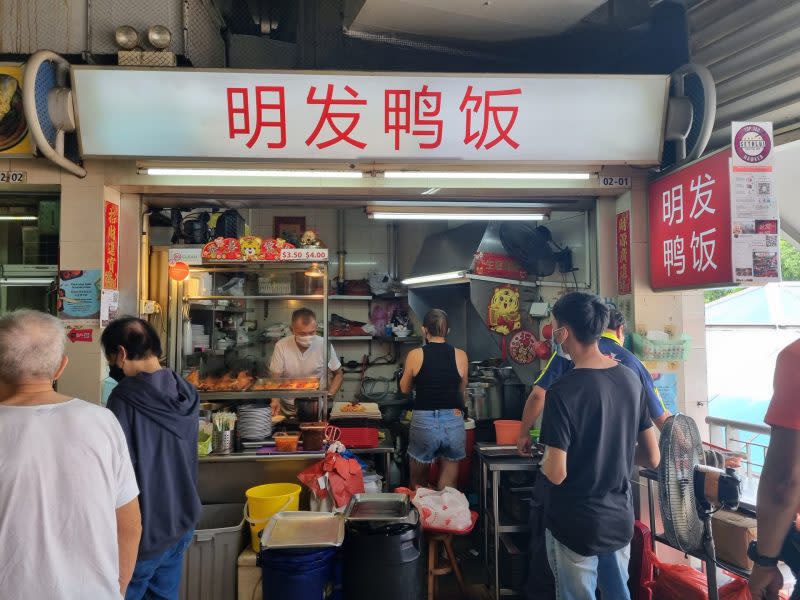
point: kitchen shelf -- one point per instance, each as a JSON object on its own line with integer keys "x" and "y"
{"x": 399, "y": 340}
{"x": 343, "y": 297}
{"x": 260, "y": 395}
{"x": 350, "y": 338}
{"x": 192, "y": 299}
{"x": 207, "y": 307}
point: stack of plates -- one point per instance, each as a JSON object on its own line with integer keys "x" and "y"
{"x": 255, "y": 422}
{"x": 199, "y": 337}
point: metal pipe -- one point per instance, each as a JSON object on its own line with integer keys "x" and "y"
{"x": 341, "y": 242}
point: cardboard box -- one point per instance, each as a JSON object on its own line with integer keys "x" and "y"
{"x": 249, "y": 576}
{"x": 733, "y": 532}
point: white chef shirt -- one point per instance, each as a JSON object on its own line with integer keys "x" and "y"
{"x": 64, "y": 470}
{"x": 289, "y": 361}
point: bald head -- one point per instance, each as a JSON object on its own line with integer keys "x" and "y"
{"x": 31, "y": 346}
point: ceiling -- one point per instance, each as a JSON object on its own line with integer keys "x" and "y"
{"x": 474, "y": 20}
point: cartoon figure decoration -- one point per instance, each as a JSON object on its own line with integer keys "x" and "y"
{"x": 251, "y": 248}
{"x": 503, "y": 317}
{"x": 222, "y": 249}
{"x": 309, "y": 239}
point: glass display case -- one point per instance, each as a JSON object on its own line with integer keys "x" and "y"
{"x": 230, "y": 316}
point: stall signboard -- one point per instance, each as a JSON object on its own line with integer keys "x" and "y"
{"x": 624, "y": 253}
{"x": 111, "y": 246}
{"x": 754, "y": 205}
{"x": 690, "y": 226}
{"x": 162, "y": 114}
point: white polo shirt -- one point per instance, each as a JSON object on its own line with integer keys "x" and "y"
{"x": 289, "y": 361}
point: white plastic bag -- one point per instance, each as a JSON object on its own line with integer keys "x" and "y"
{"x": 447, "y": 510}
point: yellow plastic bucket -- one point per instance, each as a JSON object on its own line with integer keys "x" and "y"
{"x": 263, "y": 501}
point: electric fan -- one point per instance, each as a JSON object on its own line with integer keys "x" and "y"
{"x": 531, "y": 247}
{"x": 690, "y": 492}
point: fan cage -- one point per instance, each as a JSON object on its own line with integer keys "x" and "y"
{"x": 681, "y": 451}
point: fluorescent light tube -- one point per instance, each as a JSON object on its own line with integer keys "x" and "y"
{"x": 437, "y": 277}
{"x": 251, "y": 173}
{"x": 482, "y": 216}
{"x": 18, "y": 218}
{"x": 25, "y": 281}
{"x": 480, "y": 175}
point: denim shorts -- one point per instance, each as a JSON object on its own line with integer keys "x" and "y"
{"x": 437, "y": 434}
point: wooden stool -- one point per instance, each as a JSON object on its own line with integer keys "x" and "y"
{"x": 437, "y": 541}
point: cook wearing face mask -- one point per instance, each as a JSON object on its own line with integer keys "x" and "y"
{"x": 302, "y": 354}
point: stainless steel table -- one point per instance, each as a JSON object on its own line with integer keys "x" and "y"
{"x": 495, "y": 460}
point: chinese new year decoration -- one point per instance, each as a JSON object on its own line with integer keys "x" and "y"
{"x": 522, "y": 347}
{"x": 503, "y": 317}
{"x": 249, "y": 248}
{"x": 493, "y": 264}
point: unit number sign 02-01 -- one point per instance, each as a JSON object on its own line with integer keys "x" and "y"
{"x": 615, "y": 182}
{"x": 304, "y": 254}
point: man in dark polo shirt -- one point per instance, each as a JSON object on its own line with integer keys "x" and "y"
{"x": 593, "y": 418}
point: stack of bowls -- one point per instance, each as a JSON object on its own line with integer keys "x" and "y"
{"x": 255, "y": 422}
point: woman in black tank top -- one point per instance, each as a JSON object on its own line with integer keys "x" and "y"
{"x": 438, "y": 373}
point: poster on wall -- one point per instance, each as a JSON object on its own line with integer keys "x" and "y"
{"x": 624, "y": 253}
{"x": 666, "y": 385}
{"x": 754, "y": 205}
{"x": 79, "y": 294}
{"x": 111, "y": 246}
{"x": 109, "y": 306}
{"x": 15, "y": 139}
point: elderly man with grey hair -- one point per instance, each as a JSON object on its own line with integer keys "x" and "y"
{"x": 69, "y": 510}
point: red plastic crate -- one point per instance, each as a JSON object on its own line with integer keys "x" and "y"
{"x": 359, "y": 437}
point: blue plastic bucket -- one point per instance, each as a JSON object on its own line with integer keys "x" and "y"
{"x": 298, "y": 575}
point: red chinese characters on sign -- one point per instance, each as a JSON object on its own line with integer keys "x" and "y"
{"x": 490, "y": 115}
{"x": 111, "y": 246}
{"x": 690, "y": 226}
{"x": 330, "y": 117}
{"x": 624, "y": 253}
{"x": 270, "y": 111}
{"x": 398, "y": 116}
{"x": 260, "y": 115}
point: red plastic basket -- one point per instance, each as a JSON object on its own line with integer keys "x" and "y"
{"x": 359, "y": 437}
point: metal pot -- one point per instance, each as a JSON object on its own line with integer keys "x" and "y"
{"x": 484, "y": 400}
{"x": 307, "y": 409}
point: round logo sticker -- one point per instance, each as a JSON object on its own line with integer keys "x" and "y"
{"x": 752, "y": 144}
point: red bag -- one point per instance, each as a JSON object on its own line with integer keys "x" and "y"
{"x": 345, "y": 478}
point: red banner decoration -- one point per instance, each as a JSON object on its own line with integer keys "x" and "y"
{"x": 111, "y": 246}
{"x": 624, "y": 253}
{"x": 493, "y": 264}
{"x": 249, "y": 248}
{"x": 80, "y": 335}
{"x": 690, "y": 226}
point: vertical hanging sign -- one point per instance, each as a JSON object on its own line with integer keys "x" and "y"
{"x": 754, "y": 205}
{"x": 624, "y": 253}
{"x": 111, "y": 246}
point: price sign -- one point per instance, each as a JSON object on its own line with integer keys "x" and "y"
{"x": 13, "y": 176}
{"x": 304, "y": 254}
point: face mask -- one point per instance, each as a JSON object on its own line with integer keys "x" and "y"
{"x": 304, "y": 341}
{"x": 116, "y": 373}
{"x": 559, "y": 348}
